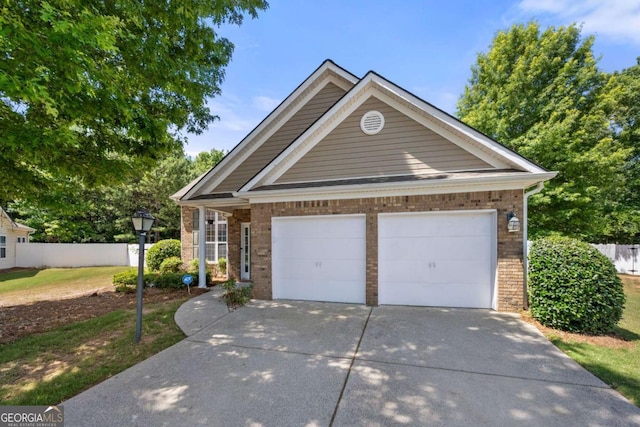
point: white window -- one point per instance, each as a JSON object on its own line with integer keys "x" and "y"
{"x": 3, "y": 246}
{"x": 215, "y": 235}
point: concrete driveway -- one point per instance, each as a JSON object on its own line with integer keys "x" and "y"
{"x": 319, "y": 364}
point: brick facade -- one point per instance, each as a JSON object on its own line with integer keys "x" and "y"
{"x": 509, "y": 248}
{"x": 186, "y": 233}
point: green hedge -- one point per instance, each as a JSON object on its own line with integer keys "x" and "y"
{"x": 172, "y": 264}
{"x": 573, "y": 287}
{"x": 162, "y": 250}
{"x": 128, "y": 280}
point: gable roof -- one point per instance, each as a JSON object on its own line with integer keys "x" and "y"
{"x": 488, "y": 165}
{"x": 327, "y": 73}
{"x": 5, "y": 218}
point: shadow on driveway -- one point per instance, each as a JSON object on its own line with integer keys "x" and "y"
{"x": 285, "y": 363}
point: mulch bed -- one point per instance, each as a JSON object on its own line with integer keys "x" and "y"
{"x": 23, "y": 320}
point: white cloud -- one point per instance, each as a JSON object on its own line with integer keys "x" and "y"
{"x": 233, "y": 115}
{"x": 264, "y": 103}
{"x": 238, "y": 117}
{"x": 615, "y": 19}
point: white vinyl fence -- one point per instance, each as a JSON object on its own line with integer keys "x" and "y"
{"x": 624, "y": 257}
{"x": 40, "y": 255}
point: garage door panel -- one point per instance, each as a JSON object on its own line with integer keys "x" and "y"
{"x": 327, "y": 269}
{"x": 321, "y": 290}
{"x": 312, "y": 227}
{"x": 450, "y": 225}
{"x": 319, "y": 258}
{"x": 450, "y": 271}
{"x": 304, "y": 248}
{"x": 436, "y": 295}
{"x": 434, "y": 248}
{"x": 437, "y": 259}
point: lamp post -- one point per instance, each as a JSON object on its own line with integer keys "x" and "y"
{"x": 142, "y": 223}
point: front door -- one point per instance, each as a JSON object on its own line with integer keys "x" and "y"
{"x": 245, "y": 251}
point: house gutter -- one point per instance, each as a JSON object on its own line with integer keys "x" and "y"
{"x": 525, "y": 235}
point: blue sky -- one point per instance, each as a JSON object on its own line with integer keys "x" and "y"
{"x": 427, "y": 47}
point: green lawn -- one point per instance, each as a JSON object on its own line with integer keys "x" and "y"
{"x": 47, "y": 368}
{"x": 618, "y": 367}
{"x": 22, "y": 287}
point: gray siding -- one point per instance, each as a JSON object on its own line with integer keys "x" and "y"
{"x": 300, "y": 121}
{"x": 403, "y": 147}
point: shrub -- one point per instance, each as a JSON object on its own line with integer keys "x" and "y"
{"x": 171, "y": 265}
{"x": 127, "y": 281}
{"x": 194, "y": 266}
{"x": 573, "y": 287}
{"x": 169, "y": 280}
{"x": 235, "y": 295}
{"x": 222, "y": 265}
{"x": 126, "y": 289}
{"x": 162, "y": 250}
{"x": 126, "y": 278}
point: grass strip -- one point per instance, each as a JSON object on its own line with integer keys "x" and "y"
{"x": 47, "y": 368}
{"x": 618, "y": 367}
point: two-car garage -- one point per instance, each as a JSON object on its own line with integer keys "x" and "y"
{"x": 439, "y": 258}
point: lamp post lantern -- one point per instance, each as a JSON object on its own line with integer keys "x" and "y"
{"x": 142, "y": 223}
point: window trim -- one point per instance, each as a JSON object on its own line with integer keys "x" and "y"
{"x": 3, "y": 246}
{"x": 213, "y": 219}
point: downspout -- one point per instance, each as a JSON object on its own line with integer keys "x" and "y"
{"x": 525, "y": 235}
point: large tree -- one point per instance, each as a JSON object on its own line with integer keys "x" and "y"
{"x": 90, "y": 90}
{"x": 621, "y": 101}
{"x": 103, "y": 213}
{"x": 540, "y": 93}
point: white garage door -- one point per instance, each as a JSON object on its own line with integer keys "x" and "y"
{"x": 319, "y": 258}
{"x": 444, "y": 259}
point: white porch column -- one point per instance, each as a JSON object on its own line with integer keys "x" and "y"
{"x": 202, "y": 247}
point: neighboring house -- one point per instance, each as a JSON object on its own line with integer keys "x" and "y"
{"x": 355, "y": 190}
{"x": 11, "y": 234}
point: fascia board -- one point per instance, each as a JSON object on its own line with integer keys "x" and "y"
{"x": 356, "y": 191}
{"x": 461, "y": 127}
{"x": 305, "y": 142}
{"x": 212, "y": 203}
{"x": 248, "y": 144}
{"x": 441, "y": 130}
{"x": 503, "y": 158}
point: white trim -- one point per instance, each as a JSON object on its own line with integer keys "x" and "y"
{"x": 248, "y": 145}
{"x": 243, "y": 250}
{"x": 320, "y": 216}
{"x": 202, "y": 248}
{"x": 435, "y": 172}
{"x": 464, "y": 144}
{"x": 316, "y": 132}
{"x": 4, "y": 246}
{"x": 473, "y": 134}
{"x": 373, "y": 84}
{"x": 407, "y": 188}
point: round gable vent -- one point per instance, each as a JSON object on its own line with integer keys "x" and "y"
{"x": 372, "y": 122}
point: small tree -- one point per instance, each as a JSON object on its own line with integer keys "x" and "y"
{"x": 573, "y": 287}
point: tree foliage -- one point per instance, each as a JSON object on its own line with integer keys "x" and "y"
{"x": 541, "y": 94}
{"x": 91, "y": 90}
{"x": 103, "y": 213}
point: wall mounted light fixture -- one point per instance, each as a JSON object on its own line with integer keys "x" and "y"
{"x": 513, "y": 223}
